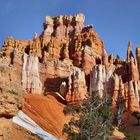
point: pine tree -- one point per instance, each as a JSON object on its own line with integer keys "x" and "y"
{"x": 92, "y": 121}
{"x": 120, "y": 111}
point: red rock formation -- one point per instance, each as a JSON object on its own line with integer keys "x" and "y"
{"x": 67, "y": 45}
{"x": 8, "y": 46}
{"x": 100, "y": 78}
{"x": 133, "y": 99}
{"x": 128, "y": 70}
{"x": 63, "y": 37}
{"x": 9, "y": 130}
{"x": 133, "y": 70}
{"x": 105, "y": 58}
{"x": 47, "y": 112}
{"x": 48, "y": 30}
{"x": 79, "y": 20}
{"x": 53, "y": 73}
{"x": 60, "y": 31}
{"x": 108, "y": 83}
{"x": 116, "y": 83}
{"x": 129, "y": 52}
{"x": 77, "y": 89}
{"x": 19, "y": 45}
{"x": 138, "y": 57}
{"x": 89, "y": 59}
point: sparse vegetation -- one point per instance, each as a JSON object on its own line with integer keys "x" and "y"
{"x": 131, "y": 137}
{"x": 7, "y": 86}
{"x": 93, "y": 122}
{"x": 120, "y": 111}
{"x": 71, "y": 109}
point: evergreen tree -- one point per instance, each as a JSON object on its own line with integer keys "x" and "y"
{"x": 92, "y": 121}
{"x": 120, "y": 111}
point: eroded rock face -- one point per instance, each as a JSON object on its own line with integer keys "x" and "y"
{"x": 48, "y": 27}
{"x": 73, "y": 60}
{"x": 133, "y": 97}
{"x": 107, "y": 82}
{"x": 100, "y": 79}
{"x": 128, "y": 70}
{"x": 89, "y": 59}
{"x": 30, "y": 74}
{"x": 10, "y": 44}
{"x": 11, "y": 91}
{"x": 133, "y": 70}
{"x": 128, "y": 91}
{"x": 116, "y": 87}
{"x": 10, "y": 105}
{"x": 64, "y": 43}
{"x": 138, "y": 58}
{"x": 79, "y": 19}
{"x": 61, "y": 35}
{"x": 53, "y": 73}
{"x": 64, "y": 78}
{"x": 60, "y": 32}
{"x": 97, "y": 80}
{"x": 105, "y": 58}
{"x": 129, "y": 52}
{"x": 77, "y": 89}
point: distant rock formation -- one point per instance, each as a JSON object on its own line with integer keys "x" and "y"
{"x": 129, "y": 52}
{"x": 62, "y": 35}
{"x": 121, "y": 80}
{"x": 138, "y": 58}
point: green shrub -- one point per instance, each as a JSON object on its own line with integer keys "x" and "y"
{"x": 93, "y": 121}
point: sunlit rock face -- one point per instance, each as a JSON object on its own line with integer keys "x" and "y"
{"x": 129, "y": 52}
{"x": 68, "y": 57}
{"x": 101, "y": 80}
{"x": 30, "y": 74}
{"x": 89, "y": 59}
{"x": 65, "y": 45}
{"x": 11, "y": 91}
{"x": 138, "y": 58}
{"x": 127, "y": 91}
{"x": 53, "y": 72}
{"x": 61, "y": 35}
{"x": 117, "y": 81}
{"x": 97, "y": 80}
{"x": 77, "y": 89}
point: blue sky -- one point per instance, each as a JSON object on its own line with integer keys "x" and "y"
{"x": 116, "y": 21}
